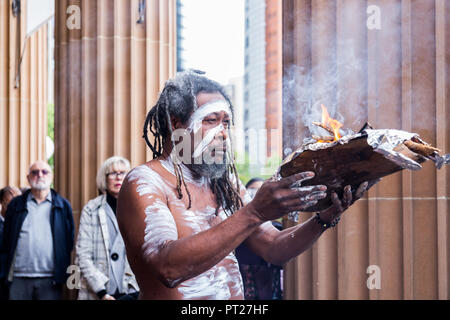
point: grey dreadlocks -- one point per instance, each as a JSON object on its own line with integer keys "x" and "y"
{"x": 178, "y": 100}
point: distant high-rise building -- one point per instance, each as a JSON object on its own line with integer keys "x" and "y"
{"x": 255, "y": 80}
{"x": 262, "y": 78}
{"x": 181, "y": 63}
{"x": 235, "y": 91}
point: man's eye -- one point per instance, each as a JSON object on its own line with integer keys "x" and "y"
{"x": 211, "y": 120}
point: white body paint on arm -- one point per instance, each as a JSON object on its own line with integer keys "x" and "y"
{"x": 160, "y": 225}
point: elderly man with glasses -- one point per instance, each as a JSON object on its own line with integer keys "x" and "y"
{"x": 38, "y": 239}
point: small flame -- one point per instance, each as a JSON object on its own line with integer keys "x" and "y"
{"x": 331, "y": 123}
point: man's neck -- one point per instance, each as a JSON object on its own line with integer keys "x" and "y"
{"x": 40, "y": 195}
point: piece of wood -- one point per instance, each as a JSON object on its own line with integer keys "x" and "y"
{"x": 324, "y": 126}
{"x": 344, "y": 164}
{"x": 420, "y": 148}
{"x": 323, "y": 138}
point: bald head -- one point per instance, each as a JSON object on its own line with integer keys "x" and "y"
{"x": 40, "y": 175}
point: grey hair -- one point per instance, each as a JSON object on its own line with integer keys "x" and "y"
{"x": 105, "y": 169}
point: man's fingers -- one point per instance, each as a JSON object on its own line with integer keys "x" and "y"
{"x": 298, "y": 201}
{"x": 296, "y": 179}
{"x": 304, "y": 191}
{"x": 336, "y": 202}
{"x": 347, "y": 197}
{"x": 361, "y": 189}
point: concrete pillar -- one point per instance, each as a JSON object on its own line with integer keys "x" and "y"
{"x": 108, "y": 73}
{"x": 23, "y": 100}
{"x": 394, "y": 75}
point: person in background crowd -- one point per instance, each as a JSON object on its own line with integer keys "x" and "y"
{"x": 262, "y": 280}
{"x": 105, "y": 272}
{"x": 6, "y": 195}
{"x": 38, "y": 239}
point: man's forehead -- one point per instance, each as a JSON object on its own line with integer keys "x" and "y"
{"x": 40, "y": 165}
{"x": 220, "y": 112}
{"x": 214, "y": 106}
{"x": 206, "y": 97}
{"x": 208, "y": 103}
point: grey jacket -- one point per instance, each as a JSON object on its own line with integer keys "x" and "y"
{"x": 92, "y": 253}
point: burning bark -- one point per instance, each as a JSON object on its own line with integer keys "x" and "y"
{"x": 365, "y": 156}
{"x": 329, "y": 124}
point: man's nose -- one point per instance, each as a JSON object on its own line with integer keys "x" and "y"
{"x": 223, "y": 133}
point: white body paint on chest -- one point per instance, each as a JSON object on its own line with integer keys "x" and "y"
{"x": 222, "y": 281}
{"x": 218, "y": 283}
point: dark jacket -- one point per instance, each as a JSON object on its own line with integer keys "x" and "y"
{"x": 3, "y": 289}
{"x": 62, "y": 226}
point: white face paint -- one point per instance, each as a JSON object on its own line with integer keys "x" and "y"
{"x": 196, "y": 120}
{"x": 203, "y": 145}
{"x": 197, "y": 117}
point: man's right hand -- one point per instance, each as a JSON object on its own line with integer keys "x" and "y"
{"x": 277, "y": 198}
{"x": 108, "y": 297}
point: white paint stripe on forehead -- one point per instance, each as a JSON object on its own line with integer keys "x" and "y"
{"x": 206, "y": 109}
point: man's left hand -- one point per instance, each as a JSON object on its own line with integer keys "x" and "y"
{"x": 340, "y": 205}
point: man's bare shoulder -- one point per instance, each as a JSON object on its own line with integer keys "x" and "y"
{"x": 147, "y": 178}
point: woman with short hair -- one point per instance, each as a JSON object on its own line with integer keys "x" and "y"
{"x": 101, "y": 256}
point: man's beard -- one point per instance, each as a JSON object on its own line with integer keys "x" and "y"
{"x": 40, "y": 185}
{"x": 212, "y": 168}
{"x": 211, "y": 171}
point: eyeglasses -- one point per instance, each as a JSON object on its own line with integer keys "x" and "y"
{"x": 115, "y": 175}
{"x": 36, "y": 172}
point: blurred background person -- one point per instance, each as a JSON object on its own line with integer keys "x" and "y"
{"x": 262, "y": 280}
{"x": 100, "y": 250}
{"x": 38, "y": 239}
{"x": 253, "y": 185}
{"x": 6, "y": 195}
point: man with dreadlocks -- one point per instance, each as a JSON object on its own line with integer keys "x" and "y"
{"x": 182, "y": 219}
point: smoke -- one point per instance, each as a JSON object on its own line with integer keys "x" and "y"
{"x": 305, "y": 89}
{"x": 355, "y": 56}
